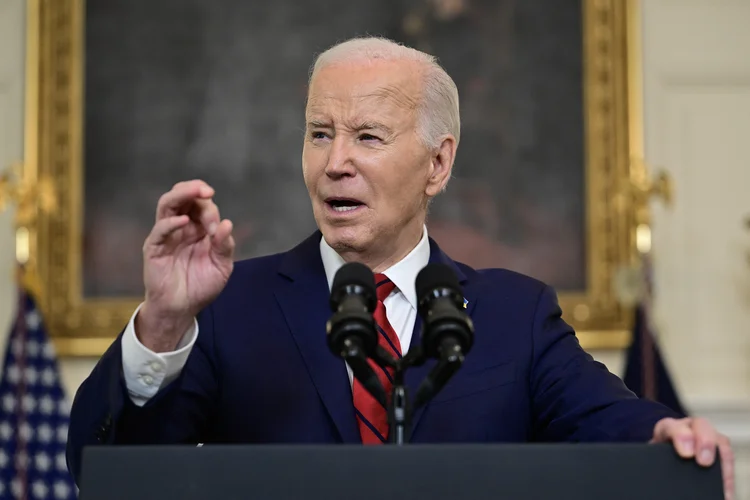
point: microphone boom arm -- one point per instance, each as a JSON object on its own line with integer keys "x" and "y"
{"x": 450, "y": 360}
{"x": 355, "y": 356}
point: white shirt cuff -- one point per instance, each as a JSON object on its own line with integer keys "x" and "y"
{"x": 146, "y": 371}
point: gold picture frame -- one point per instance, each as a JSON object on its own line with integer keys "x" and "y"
{"x": 86, "y": 327}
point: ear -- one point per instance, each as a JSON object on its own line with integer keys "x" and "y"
{"x": 441, "y": 166}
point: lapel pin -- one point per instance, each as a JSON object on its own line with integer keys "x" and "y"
{"x": 465, "y": 302}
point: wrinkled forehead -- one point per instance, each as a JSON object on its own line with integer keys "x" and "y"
{"x": 373, "y": 88}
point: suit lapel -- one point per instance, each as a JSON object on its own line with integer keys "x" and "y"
{"x": 303, "y": 296}
{"x": 415, "y": 375}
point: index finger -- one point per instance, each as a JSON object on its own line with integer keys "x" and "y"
{"x": 706, "y": 441}
{"x": 679, "y": 432}
{"x": 180, "y": 195}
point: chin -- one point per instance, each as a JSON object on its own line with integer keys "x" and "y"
{"x": 346, "y": 238}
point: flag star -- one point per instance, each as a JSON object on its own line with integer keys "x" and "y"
{"x": 45, "y": 433}
{"x": 63, "y": 407}
{"x": 9, "y": 403}
{"x": 32, "y": 348}
{"x": 6, "y": 431}
{"x": 48, "y": 351}
{"x": 62, "y": 490}
{"x": 42, "y": 461}
{"x": 39, "y": 489}
{"x": 46, "y": 405}
{"x": 30, "y": 375}
{"x": 60, "y": 462}
{"x": 48, "y": 377}
{"x": 29, "y": 403}
{"x": 62, "y": 433}
{"x": 3, "y": 459}
{"x": 2, "y": 488}
{"x": 33, "y": 320}
{"x": 13, "y": 373}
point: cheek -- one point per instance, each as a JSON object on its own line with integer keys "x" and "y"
{"x": 403, "y": 192}
{"x": 412, "y": 180}
{"x": 311, "y": 169}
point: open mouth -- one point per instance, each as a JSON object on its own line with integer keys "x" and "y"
{"x": 342, "y": 205}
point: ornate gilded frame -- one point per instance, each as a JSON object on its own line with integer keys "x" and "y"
{"x": 54, "y": 132}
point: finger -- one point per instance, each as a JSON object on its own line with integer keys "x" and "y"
{"x": 679, "y": 433}
{"x": 222, "y": 240}
{"x": 180, "y": 196}
{"x": 165, "y": 227}
{"x": 207, "y": 214}
{"x": 727, "y": 466}
{"x": 706, "y": 441}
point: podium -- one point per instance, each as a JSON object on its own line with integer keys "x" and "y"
{"x": 435, "y": 472}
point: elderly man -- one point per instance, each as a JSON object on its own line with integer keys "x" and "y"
{"x": 236, "y": 352}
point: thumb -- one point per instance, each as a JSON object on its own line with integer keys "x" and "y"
{"x": 222, "y": 241}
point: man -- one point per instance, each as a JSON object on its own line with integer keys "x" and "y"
{"x": 236, "y": 352}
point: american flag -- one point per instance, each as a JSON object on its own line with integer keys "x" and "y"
{"x": 34, "y": 414}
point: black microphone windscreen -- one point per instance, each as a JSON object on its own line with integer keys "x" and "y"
{"x": 354, "y": 273}
{"x": 435, "y": 276}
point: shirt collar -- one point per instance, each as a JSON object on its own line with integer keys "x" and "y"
{"x": 403, "y": 274}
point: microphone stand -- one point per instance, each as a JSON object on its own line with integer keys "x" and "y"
{"x": 399, "y": 407}
{"x": 399, "y": 412}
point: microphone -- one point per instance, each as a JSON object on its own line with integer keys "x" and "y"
{"x": 447, "y": 332}
{"x": 351, "y": 329}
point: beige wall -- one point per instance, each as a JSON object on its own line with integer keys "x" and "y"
{"x": 11, "y": 139}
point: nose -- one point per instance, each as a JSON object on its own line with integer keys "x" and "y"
{"x": 340, "y": 160}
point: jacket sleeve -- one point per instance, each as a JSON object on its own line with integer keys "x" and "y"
{"x": 180, "y": 413}
{"x": 574, "y": 397}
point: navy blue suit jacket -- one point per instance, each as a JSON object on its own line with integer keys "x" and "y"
{"x": 261, "y": 372}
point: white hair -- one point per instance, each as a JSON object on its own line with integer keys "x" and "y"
{"x": 438, "y": 108}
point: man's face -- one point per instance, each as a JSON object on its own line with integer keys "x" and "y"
{"x": 365, "y": 168}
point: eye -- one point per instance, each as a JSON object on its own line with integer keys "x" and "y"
{"x": 317, "y": 135}
{"x": 368, "y": 137}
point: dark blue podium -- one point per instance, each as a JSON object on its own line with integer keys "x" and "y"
{"x": 435, "y": 472}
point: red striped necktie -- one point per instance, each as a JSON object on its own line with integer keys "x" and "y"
{"x": 371, "y": 416}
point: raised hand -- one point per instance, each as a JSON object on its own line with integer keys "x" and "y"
{"x": 187, "y": 260}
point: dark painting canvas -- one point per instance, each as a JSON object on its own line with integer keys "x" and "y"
{"x": 184, "y": 89}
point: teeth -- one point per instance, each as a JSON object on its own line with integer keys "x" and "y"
{"x": 344, "y": 209}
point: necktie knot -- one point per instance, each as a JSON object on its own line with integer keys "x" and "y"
{"x": 384, "y": 286}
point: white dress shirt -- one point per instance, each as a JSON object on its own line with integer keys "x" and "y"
{"x": 146, "y": 371}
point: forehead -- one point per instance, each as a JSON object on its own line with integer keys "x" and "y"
{"x": 377, "y": 87}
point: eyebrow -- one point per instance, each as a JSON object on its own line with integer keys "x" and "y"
{"x": 318, "y": 124}
{"x": 358, "y": 126}
{"x": 371, "y": 125}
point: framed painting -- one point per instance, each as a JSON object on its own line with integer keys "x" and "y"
{"x": 132, "y": 96}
